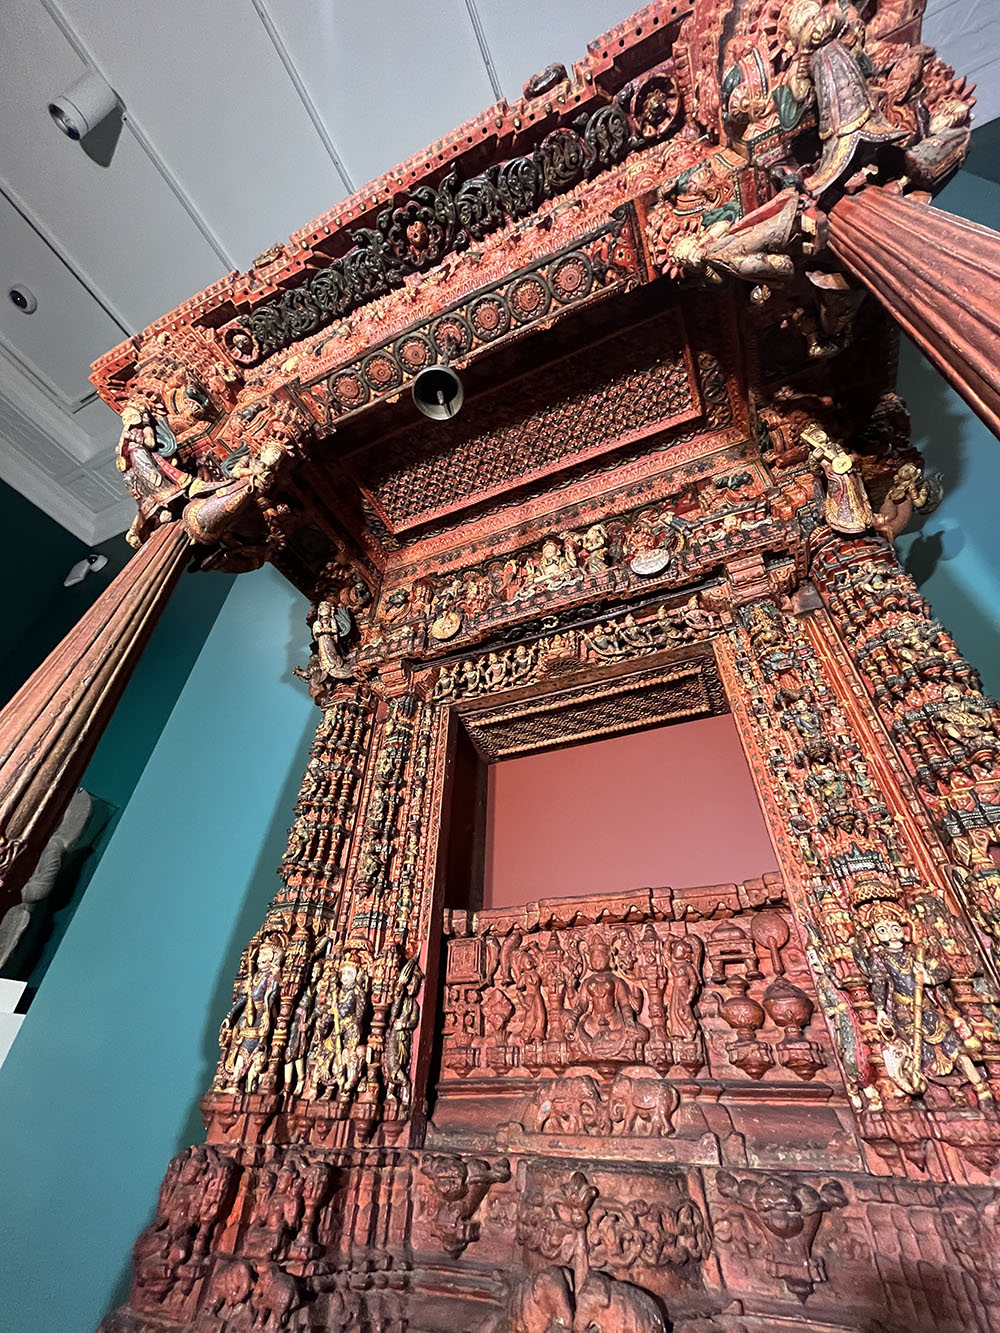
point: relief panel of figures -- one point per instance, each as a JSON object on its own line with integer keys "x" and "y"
{"x": 621, "y": 1036}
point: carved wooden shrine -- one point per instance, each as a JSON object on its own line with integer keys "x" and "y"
{"x": 670, "y": 283}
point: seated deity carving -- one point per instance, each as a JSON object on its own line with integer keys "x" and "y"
{"x": 604, "y": 1023}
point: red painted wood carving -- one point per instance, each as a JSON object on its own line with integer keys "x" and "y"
{"x": 671, "y": 492}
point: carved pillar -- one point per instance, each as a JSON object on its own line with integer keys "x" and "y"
{"x": 392, "y": 904}
{"x": 939, "y": 276}
{"x": 326, "y": 1015}
{"x": 904, "y": 986}
{"x": 267, "y": 1040}
{"x": 51, "y": 727}
{"x": 930, "y": 700}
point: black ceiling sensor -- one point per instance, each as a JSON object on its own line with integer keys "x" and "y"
{"x": 23, "y": 297}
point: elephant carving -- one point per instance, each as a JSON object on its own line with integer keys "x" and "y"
{"x": 276, "y": 1295}
{"x": 232, "y": 1284}
{"x": 545, "y": 1301}
{"x": 606, "y": 1305}
{"x": 568, "y": 1106}
{"x": 641, "y": 1104}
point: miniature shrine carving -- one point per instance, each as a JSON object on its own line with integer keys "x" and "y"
{"x": 727, "y": 1107}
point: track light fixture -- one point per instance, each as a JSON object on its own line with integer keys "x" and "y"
{"x": 84, "y": 105}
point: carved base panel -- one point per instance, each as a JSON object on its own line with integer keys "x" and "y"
{"x": 637, "y": 1117}
{"x": 439, "y": 1241}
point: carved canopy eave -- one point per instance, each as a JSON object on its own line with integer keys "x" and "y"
{"x": 500, "y": 131}
{"x": 684, "y": 172}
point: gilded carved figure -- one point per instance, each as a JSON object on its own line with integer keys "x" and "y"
{"x": 403, "y": 1017}
{"x": 925, "y": 1036}
{"x": 337, "y": 1053}
{"x": 825, "y": 45}
{"x": 246, "y": 1030}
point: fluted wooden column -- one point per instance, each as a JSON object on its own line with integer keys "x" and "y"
{"x": 51, "y": 727}
{"x": 939, "y": 276}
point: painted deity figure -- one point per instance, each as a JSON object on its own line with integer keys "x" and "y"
{"x": 246, "y": 1030}
{"x": 163, "y": 491}
{"x": 925, "y": 1036}
{"x": 337, "y": 1054}
{"x": 846, "y": 508}
{"x": 824, "y": 38}
{"x": 557, "y": 565}
{"x": 158, "y": 486}
{"x": 522, "y": 662}
{"x": 403, "y": 1017}
{"x": 595, "y": 547}
{"x": 604, "y": 1022}
{"x": 297, "y": 1045}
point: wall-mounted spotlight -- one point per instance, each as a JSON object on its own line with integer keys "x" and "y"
{"x": 83, "y": 105}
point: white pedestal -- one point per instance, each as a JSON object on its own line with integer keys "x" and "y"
{"x": 10, "y": 1023}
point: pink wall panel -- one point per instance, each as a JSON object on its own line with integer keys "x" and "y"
{"x": 670, "y": 806}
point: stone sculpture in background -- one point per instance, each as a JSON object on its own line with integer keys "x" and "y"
{"x": 18, "y": 918}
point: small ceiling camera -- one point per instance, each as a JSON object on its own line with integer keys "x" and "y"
{"x": 23, "y": 298}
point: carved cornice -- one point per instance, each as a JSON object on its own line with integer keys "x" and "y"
{"x": 427, "y": 224}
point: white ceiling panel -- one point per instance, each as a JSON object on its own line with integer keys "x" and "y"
{"x": 526, "y": 35}
{"x": 967, "y": 34}
{"x": 92, "y": 491}
{"x": 39, "y": 406}
{"x": 68, "y": 330}
{"x": 100, "y": 425}
{"x": 387, "y": 79}
{"x": 119, "y": 226}
{"x": 204, "y": 84}
{"x": 45, "y": 450}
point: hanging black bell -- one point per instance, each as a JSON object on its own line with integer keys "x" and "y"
{"x": 437, "y": 392}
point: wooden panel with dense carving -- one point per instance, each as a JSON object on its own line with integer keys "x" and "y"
{"x": 670, "y": 1025}
{"x": 728, "y": 1109}
{"x": 611, "y": 395}
{"x": 608, "y": 707}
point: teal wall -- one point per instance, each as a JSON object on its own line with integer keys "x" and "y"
{"x": 36, "y": 611}
{"x": 954, "y": 553}
{"x": 42, "y": 554}
{"x": 102, "y": 1084}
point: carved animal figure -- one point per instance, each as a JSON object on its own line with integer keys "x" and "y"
{"x": 568, "y": 1106}
{"x": 459, "y": 1187}
{"x": 276, "y": 1295}
{"x": 232, "y": 1283}
{"x": 544, "y": 1302}
{"x": 606, "y": 1305}
{"x": 641, "y": 1105}
{"x": 538, "y": 1304}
